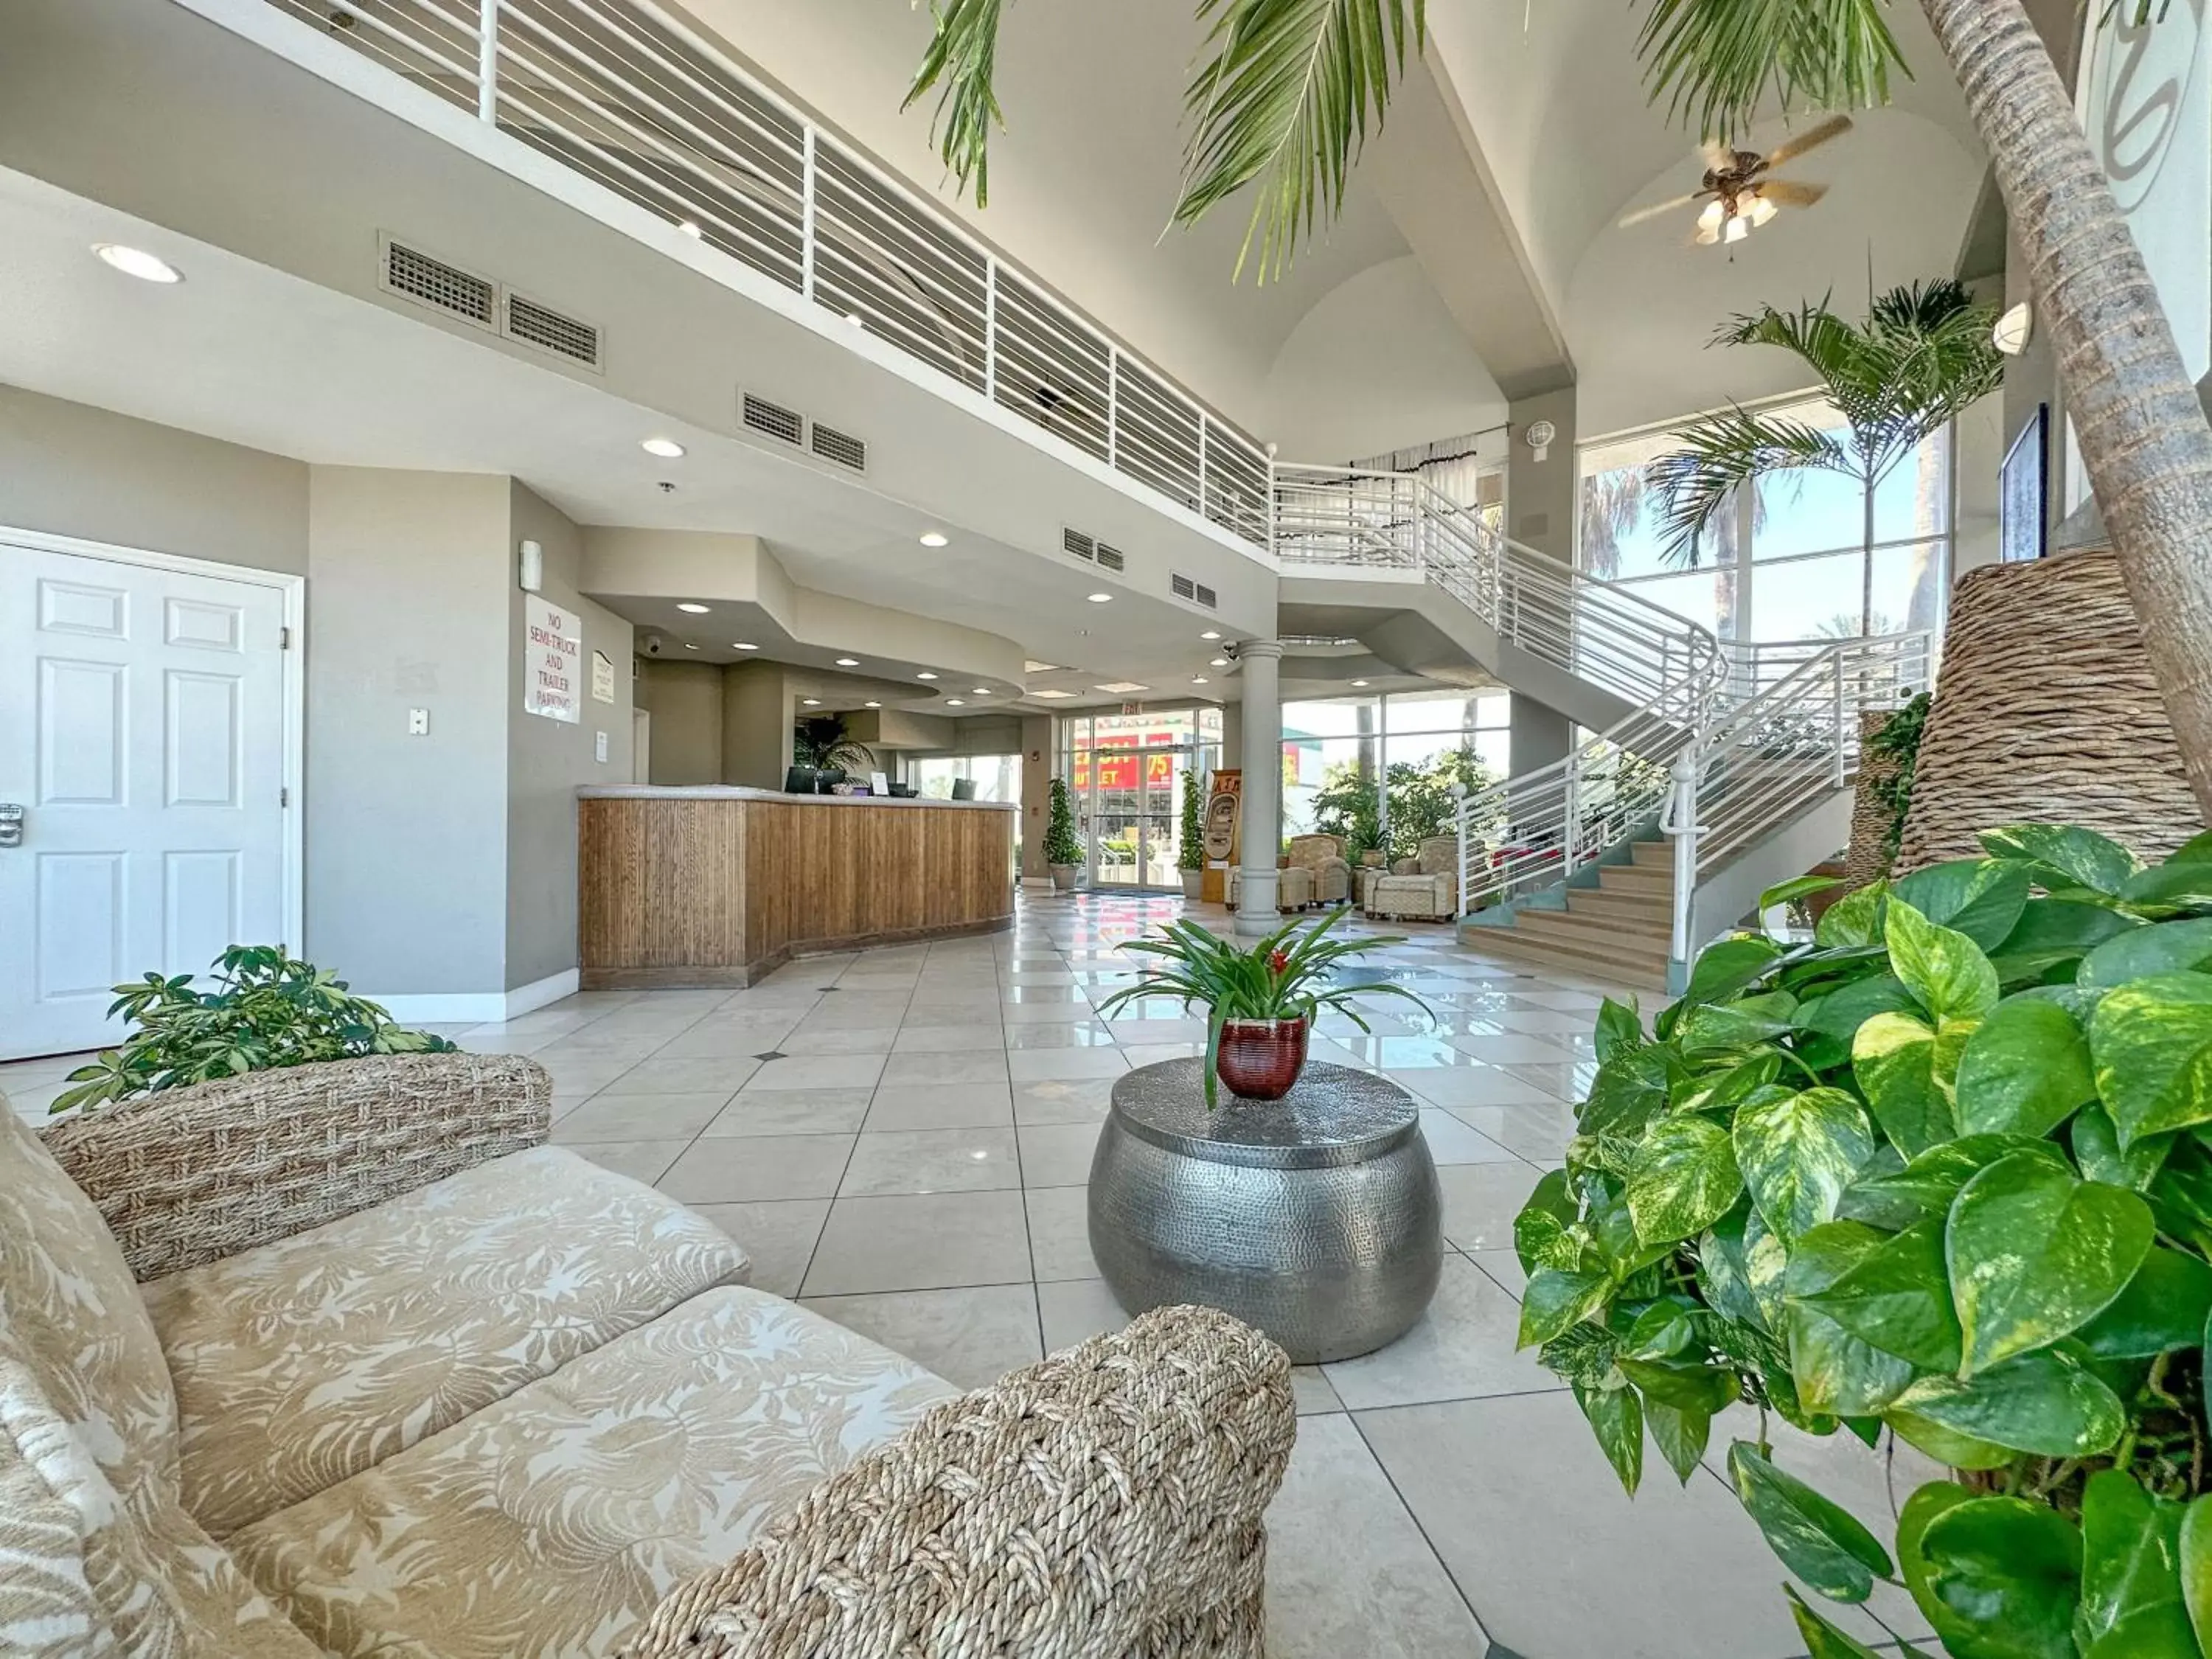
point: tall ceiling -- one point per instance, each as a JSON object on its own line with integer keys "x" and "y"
{"x": 1548, "y": 102}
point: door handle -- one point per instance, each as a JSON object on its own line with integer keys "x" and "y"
{"x": 11, "y": 824}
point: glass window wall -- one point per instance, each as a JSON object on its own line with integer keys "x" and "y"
{"x": 1422, "y": 742}
{"x": 1791, "y": 560}
{"x": 1125, "y": 776}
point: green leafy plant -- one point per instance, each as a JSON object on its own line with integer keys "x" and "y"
{"x": 822, "y": 743}
{"x": 1289, "y": 975}
{"x": 1190, "y": 843}
{"x": 1061, "y": 846}
{"x": 267, "y": 1011}
{"x": 1921, "y": 357}
{"x": 1897, "y": 738}
{"x": 1944, "y": 1173}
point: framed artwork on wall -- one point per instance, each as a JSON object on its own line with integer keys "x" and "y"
{"x": 2024, "y": 492}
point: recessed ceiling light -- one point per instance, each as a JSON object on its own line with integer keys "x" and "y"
{"x": 688, "y": 646}
{"x": 811, "y": 702}
{"x": 692, "y": 607}
{"x": 136, "y": 262}
{"x": 925, "y": 675}
{"x": 1098, "y": 598}
{"x": 849, "y": 662}
{"x": 1217, "y": 662}
{"x": 955, "y": 702}
{"x": 934, "y": 538}
{"x": 667, "y": 448}
{"x": 743, "y": 645}
{"x": 1359, "y": 682}
{"x": 690, "y": 227}
{"x": 1123, "y": 688}
{"x": 981, "y": 690}
{"x": 1210, "y": 634}
{"x": 1051, "y": 696}
{"x": 872, "y": 705}
{"x": 1198, "y": 679}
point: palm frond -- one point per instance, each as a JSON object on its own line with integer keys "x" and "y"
{"x": 962, "y": 54}
{"x": 1282, "y": 102}
{"x": 1719, "y": 455}
{"x": 1717, "y": 61}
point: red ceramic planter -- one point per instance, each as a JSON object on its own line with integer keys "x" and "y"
{"x": 1260, "y": 1058}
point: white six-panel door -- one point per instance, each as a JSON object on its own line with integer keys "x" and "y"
{"x": 142, "y": 732}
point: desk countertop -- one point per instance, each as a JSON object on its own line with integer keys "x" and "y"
{"x": 733, "y": 792}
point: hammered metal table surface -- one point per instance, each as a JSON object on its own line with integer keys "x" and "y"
{"x": 1317, "y": 1218}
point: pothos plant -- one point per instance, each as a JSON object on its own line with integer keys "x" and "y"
{"x": 1944, "y": 1173}
{"x": 265, "y": 1011}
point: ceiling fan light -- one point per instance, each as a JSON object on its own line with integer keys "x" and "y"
{"x": 1708, "y": 234}
{"x": 1738, "y": 228}
{"x": 1711, "y": 217}
{"x": 1761, "y": 211}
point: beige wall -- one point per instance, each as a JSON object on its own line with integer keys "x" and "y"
{"x": 686, "y": 702}
{"x": 72, "y": 470}
{"x": 756, "y": 715}
{"x": 407, "y": 608}
{"x": 547, "y": 759}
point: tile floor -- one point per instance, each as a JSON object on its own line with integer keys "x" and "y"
{"x": 900, "y": 1138}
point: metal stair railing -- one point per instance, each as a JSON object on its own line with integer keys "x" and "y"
{"x": 1598, "y": 631}
{"x": 1776, "y": 751}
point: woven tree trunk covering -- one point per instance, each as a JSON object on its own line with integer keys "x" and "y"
{"x": 1868, "y": 857}
{"x": 2046, "y": 713}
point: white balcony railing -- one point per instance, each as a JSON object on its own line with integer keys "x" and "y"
{"x": 628, "y": 94}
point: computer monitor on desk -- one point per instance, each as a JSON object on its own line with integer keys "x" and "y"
{"x": 964, "y": 788}
{"x": 802, "y": 780}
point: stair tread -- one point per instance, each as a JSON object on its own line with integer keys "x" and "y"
{"x": 1543, "y": 949}
{"x": 1607, "y": 929}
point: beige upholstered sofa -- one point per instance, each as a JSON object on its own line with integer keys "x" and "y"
{"x": 1424, "y": 888}
{"x": 344, "y": 1360}
{"x": 1322, "y": 856}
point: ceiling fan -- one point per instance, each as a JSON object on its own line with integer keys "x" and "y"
{"x": 1740, "y": 190}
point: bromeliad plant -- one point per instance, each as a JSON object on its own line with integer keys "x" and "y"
{"x": 1289, "y": 975}
{"x": 1944, "y": 1173}
{"x": 267, "y": 1012}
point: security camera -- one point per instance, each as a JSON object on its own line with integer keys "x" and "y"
{"x": 654, "y": 645}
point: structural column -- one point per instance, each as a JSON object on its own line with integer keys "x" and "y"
{"x": 1262, "y": 813}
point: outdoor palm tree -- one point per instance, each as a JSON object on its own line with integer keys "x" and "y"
{"x": 1284, "y": 91}
{"x": 1922, "y": 357}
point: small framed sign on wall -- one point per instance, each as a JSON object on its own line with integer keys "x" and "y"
{"x": 2024, "y": 492}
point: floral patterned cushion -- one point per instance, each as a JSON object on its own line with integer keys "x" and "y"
{"x": 96, "y": 1555}
{"x": 548, "y": 1524}
{"x": 306, "y": 1361}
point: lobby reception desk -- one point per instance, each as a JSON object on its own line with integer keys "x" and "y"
{"x": 719, "y": 886}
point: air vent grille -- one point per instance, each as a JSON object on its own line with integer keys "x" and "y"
{"x": 842, "y": 447}
{"x": 1075, "y": 542}
{"x": 787, "y": 424}
{"x": 548, "y": 329}
{"x": 1197, "y": 592}
{"x": 1109, "y": 558}
{"x": 434, "y": 282}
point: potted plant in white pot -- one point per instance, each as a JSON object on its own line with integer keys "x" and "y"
{"x": 1063, "y": 854}
{"x": 1190, "y": 846}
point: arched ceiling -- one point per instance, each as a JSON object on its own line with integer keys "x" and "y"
{"x": 1481, "y": 220}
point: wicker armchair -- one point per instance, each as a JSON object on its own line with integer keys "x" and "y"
{"x": 1324, "y": 856}
{"x": 1106, "y": 1502}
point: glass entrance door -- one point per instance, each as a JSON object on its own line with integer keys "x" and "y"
{"x": 1126, "y": 773}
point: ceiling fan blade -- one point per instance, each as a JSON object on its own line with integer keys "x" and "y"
{"x": 1659, "y": 210}
{"x": 1787, "y": 193}
{"x": 1812, "y": 139}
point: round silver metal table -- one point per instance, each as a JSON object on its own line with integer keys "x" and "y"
{"x": 1317, "y": 1218}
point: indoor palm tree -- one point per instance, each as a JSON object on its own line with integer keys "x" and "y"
{"x": 1282, "y": 98}
{"x": 1921, "y": 357}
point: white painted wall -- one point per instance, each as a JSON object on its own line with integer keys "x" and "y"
{"x": 1643, "y": 302}
{"x": 1377, "y": 364}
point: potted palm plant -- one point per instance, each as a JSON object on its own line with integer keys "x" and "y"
{"x": 1260, "y": 1003}
{"x": 1190, "y": 842}
{"x": 1063, "y": 854}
